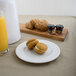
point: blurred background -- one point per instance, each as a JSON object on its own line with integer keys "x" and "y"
{"x": 47, "y": 7}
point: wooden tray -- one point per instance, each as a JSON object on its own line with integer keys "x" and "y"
{"x": 45, "y": 34}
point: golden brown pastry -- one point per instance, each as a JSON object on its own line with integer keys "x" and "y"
{"x": 31, "y": 43}
{"x": 42, "y": 25}
{"x": 29, "y": 25}
{"x": 40, "y": 48}
{"x": 34, "y": 21}
{"x": 45, "y": 22}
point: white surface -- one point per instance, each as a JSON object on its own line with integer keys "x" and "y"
{"x": 9, "y": 9}
{"x": 47, "y": 7}
{"x": 31, "y": 56}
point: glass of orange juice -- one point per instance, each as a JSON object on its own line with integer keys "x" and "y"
{"x": 3, "y": 35}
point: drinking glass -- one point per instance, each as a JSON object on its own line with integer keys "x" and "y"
{"x": 3, "y": 35}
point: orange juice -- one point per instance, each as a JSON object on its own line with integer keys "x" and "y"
{"x": 3, "y": 35}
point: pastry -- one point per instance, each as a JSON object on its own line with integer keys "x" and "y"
{"x": 29, "y": 25}
{"x": 40, "y": 48}
{"x": 31, "y": 43}
{"x": 42, "y": 25}
{"x": 44, "y": 21}
{"x": 34, "y": 21}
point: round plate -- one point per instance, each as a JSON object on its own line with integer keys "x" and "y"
{"x": 31, "y": 56}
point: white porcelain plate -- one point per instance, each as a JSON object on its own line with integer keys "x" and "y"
{"x": 31, "y": 56}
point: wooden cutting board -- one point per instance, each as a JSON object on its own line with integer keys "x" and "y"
{"x": 45, "y": 34}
